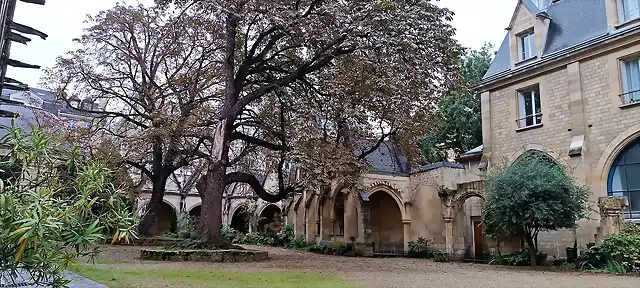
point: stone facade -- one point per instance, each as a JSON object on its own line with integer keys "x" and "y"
{"x": 393, "y": 210}
{"x": 580, "y": 101}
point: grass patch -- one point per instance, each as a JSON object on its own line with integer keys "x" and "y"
{"x": 154, "y": 278}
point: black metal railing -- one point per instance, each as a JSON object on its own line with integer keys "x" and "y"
{"x": 390, "y": 249}
{"x": 537, "y": 117}
{"x": 630, "y": 97}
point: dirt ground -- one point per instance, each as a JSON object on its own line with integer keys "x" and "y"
{"x": 389, "y": 272}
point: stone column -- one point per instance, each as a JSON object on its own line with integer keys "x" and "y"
{"x": 611, "y": 219}
{"x": 407, "y": 234}
{"x": 448, "y": 227}
{"x": 351, "y": 218}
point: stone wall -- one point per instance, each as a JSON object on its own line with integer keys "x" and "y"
{"x": 579, "y": 98}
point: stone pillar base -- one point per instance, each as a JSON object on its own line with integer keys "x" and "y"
{"x": 611, "y": 219}
{"x": 363, "y": 249}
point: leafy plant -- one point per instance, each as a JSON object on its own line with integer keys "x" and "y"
{"x": 285, "y": 237}
{"x": 420, "y": 248}
{"x": 518, "y": 258}
{"x": 631, "y": 228}
{"x": 623, "y": 249}
{"x": 56, "y": 206}
{"x": 299, "y": 242}
{"x": 533, "y": 194}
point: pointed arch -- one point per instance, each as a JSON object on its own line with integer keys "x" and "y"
{"x": 394, "y": 193}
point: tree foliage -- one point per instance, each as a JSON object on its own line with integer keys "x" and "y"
{"x": 55, "y": 206}
{"x": 532, "y": 195}
{"x": 318, "y": 83}
{"x": 317, "y": 80}
{"x": 458, "y": 121}
{"x": 153, "y": 75}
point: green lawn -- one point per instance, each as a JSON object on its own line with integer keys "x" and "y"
{"x": 151, "y": 278}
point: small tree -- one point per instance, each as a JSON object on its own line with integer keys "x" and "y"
{"x": 531, "y": 195}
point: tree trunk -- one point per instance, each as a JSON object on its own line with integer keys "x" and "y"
{"x": 533, "y": 251}
{"x": 211, "y": 213}
{"x": 211, "y": 189}
{"x": 212, "y": 185}
{"x": 149, "y": 222}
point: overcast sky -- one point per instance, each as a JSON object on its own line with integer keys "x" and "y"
{"x": 476, "y": 21}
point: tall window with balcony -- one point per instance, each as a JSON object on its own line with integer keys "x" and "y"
{"x": 526, "y": 45}
{"x": 630, "y": 72}
{"x": 529, "y": 108}
{"x": 628, "y": 10}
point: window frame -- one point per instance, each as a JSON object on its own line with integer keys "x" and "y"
{"x": 624, "y": 190}
{"x": 521, "y": 107}
{"x": 622, "y": 16}
{"x": 524, "y": 46}
{"x": 630, "y": 95}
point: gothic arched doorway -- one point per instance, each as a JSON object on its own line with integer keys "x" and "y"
{"x": 269, "y": 215}
{"x": 387, "y": 232}
{"x": 167, "y": 220}
{"x": 195, "y": 212}
{"x": 240, "y": 220}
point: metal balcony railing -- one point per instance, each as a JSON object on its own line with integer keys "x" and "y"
{"x": 536, "y": 119}
{"x": 630, "y": 97}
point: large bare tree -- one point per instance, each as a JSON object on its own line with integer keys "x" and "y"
{"x": 153, "y": 75}
{"x": 357, "y": 71}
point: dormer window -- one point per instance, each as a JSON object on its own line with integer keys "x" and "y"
{"x": 628, "y": 10}
{"x": 542, "y": 4}
{"x": 526, "y": 45}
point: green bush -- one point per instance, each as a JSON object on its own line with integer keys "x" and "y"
{"x": 518, "y": 258}
{"x": 230, "y": 235}
{"x": 623, "y": 249}
{"x": 299, "y": 242}
{"x": 316, "y": 248}
{"x": 420, "y": 248}
{"x": 631, "y": 229}
{"x": 285, "y": 237}
{"x": 57, "y": 206}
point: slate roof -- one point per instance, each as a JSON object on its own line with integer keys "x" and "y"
{"x": 471, "y": 154}
{"x": 531, "y": 6}
{"x": 388, "y": 159}
{"x": 572, "y": 22}
{"x": 436, "y": 166}
{"x": 32, "y": 116}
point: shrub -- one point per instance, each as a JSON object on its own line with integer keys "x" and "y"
{"x": 56, "y": 206}
{"x": 631, "y": 229}
{"x": 316, "y": 248}
{"x": 623, "y": 249}
{"x": 285, "y": 237}
{"x": 299, "y": 242}
{"x": 420, "y": 248}
{"x": 230, "y": 235}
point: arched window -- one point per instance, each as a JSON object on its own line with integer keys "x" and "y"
{"x": 624, "y": 179}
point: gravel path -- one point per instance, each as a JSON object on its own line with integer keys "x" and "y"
{"x": 395, "y": 272}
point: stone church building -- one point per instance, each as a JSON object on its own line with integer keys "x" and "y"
{"x": 564, "y": 82}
